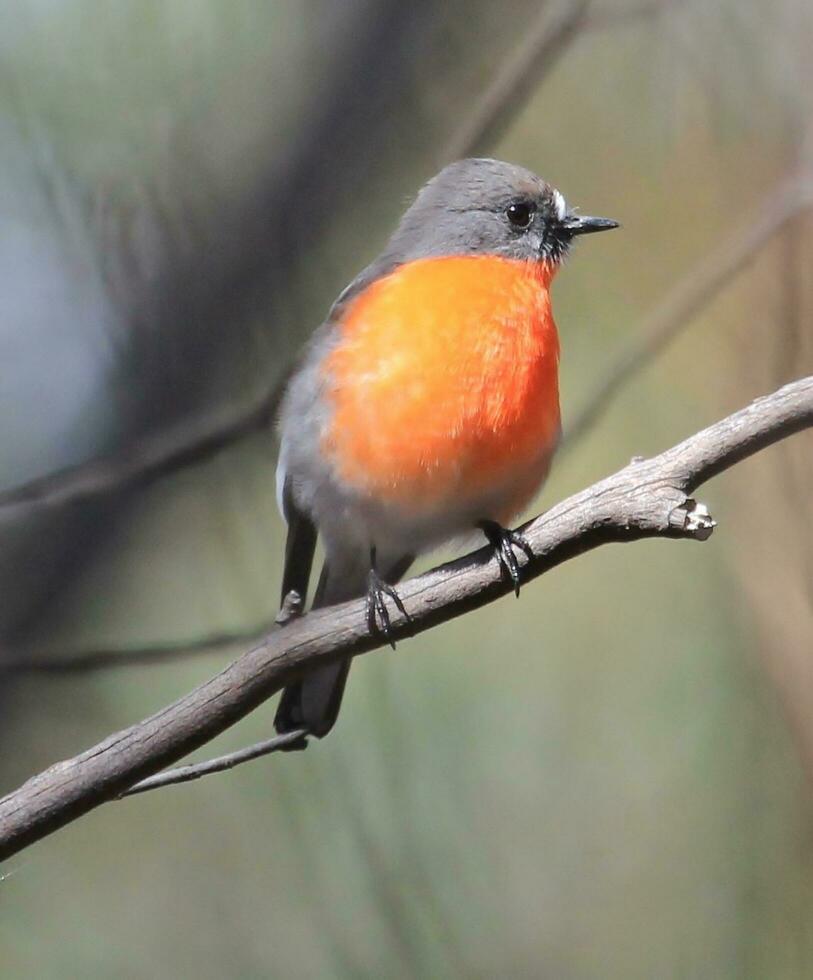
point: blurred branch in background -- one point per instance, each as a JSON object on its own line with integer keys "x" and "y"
{"x": 605, "y": 18}
{"x": 102, "y": 659}
{"x": 692, "y": 293}
{"x": 648, "y": 498}
{"x": 545, "y": 43}
{"x": 140, "y": 463}
{"x": 534, "y": 58}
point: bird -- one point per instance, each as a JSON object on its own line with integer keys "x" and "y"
{"x": 426, "y": 405}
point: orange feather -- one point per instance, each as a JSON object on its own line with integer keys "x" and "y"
{"x": 444, "y": 383}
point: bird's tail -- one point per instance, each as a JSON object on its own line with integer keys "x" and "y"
{"x": 313, "y": 702}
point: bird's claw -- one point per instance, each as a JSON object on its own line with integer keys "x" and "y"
{"x": 503, "y": 540}
{"x": 378, "y": 617}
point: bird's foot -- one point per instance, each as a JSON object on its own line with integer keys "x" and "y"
{"x": 378, "y": 617}
{"x": 503, "y": 541}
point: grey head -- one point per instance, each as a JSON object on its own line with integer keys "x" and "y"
{"x": 481, "y": 207}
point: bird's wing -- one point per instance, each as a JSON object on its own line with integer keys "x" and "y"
{"x": 299, "y": 546}
{"x": 382, "y": 266}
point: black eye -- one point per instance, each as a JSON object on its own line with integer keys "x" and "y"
{"x": 520, "y": 214}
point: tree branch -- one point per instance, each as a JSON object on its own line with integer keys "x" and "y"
{"x": 648, "y": 498}
{"x": 296, "y": 739}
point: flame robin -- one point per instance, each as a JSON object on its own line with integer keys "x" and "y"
{"x": 427, "y": 404}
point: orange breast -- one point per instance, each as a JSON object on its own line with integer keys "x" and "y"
{"x": 444, "y": 382}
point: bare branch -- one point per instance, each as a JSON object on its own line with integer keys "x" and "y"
{"x": 648, "y": 498}
{"x": 185, "y": 774}
{"x": 686, "y": 299}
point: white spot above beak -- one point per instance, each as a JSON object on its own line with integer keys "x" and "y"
{"x": 560, "y": 204}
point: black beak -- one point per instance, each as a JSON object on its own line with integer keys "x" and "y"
{"x": 583, "y": 224}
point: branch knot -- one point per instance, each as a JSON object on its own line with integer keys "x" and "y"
{"x": 692, "y": 519}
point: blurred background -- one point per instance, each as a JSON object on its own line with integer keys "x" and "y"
{"x": 608, "y": 779}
